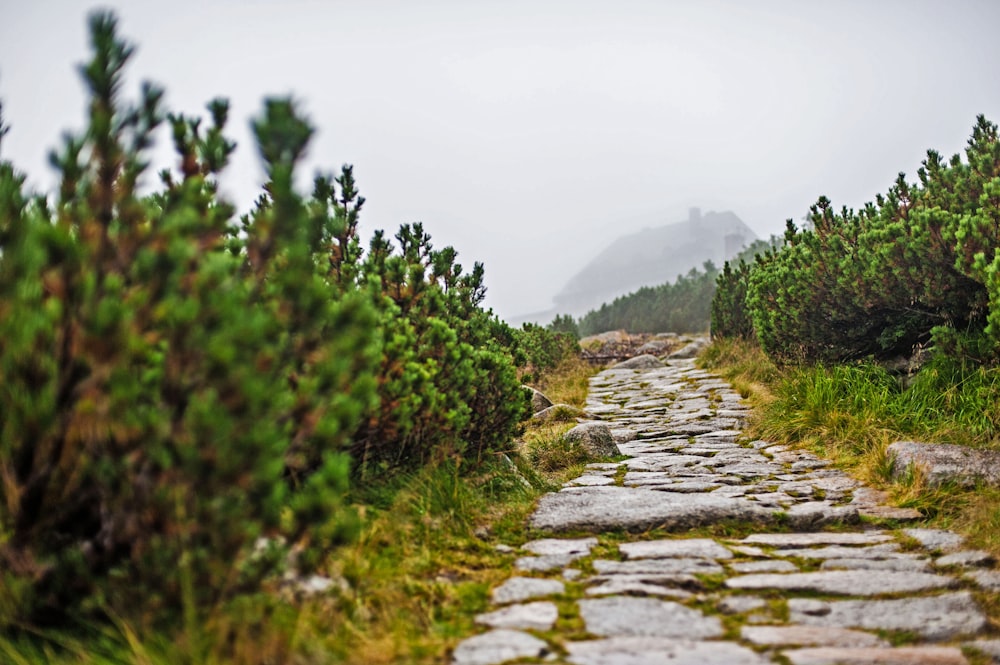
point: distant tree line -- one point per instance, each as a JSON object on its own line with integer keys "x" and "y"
{"x": 683, "y": 306}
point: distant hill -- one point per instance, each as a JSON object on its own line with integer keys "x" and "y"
{"x": 652, "y": 257}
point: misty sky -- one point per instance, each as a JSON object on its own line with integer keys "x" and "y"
{"x": 529, "y": 135}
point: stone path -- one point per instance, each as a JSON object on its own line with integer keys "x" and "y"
{"x": 803, "y": 580}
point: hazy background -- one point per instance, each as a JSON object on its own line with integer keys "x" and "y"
{"x": 529, "y": 135}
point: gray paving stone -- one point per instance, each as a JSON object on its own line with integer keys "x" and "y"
{"x": 542, "y": 564}
{"x": 657, "y": 651}
{"x": 846, "y": 582}
{"x": 810, "y": 539}
{"x": 817, "y": 514}
{"x": 880, "y": 551}
{"x": 966, "y": 559}
{"x": 516, "y": 589}
{"x": 591, "y": 480}
{"x": 740, "y": 604}
{"x": 677, "y": 565}
{"x": 810, "y": 636}
{"x": 877, "y": 656}
{"x": 703, "y": 548}
{"x": 540, "y": 615}
{"x": 986, "y": 579}
{"x": 625, "y": 616}
{"x": 765, "y": 566}
{"x": 936, "y": 539}
{"x": 935, "y": 618}
{"x": 911, "y": 565}
{"x": 498, "y": 646}
{"x": 635, "y": 585}
{"x": 600, "y": 508}
{"x": 579, "y": 547}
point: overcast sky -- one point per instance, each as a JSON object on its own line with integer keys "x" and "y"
{"x": 529, "y": 135}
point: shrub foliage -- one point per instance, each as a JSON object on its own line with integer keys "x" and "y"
{"x": 178, "y": 383}
{"x": 917, "y": 267}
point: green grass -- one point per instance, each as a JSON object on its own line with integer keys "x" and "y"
{"x": 851, "y": 413}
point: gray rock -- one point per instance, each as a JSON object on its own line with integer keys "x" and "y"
{"x": 817, "y": 514}
{"x": 846, "y": 582}
{"x": 543, "y": 564}
{"x": 498, "y": 646}
{"x": 577, "y": 547}
{"x": 591, "y": 480}
{"x": 876, "y": 656}
{"x": 890, "y": 513}
{"x": 986, "y": 579}
{"x": 539, "y": 402}
{"x": 810, "y": 539}
{"x": 644, "y": 361}
{"x": 685, "y": 565}
{"x": 935, "y": 618}
{"x": 936, "y": 539}
{"x": 690, "y": 350}
{"x": 625, "y": 616}
{"x": 658, "y": 650}
{"x": 810, "y": 636}
{"x": 704, "y": 548}
{"x": 595, "y": 438}
{"x": 540, "y": 615}
{"x": 740, "y": 604}
{"x": 766, "y": 566}
{"x": 908, "y": 565}
{"x": 942, "y": 462}
{"x": 516, "y": 589}
{"x": 882, "y": 551}
{"x": 635, "y": 585}
{"x": 966, "y": 559}
{"x": 601, "y": 508}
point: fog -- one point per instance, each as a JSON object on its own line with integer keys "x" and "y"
{"x": 530, "y": 135}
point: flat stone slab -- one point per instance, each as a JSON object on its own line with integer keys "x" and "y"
{"x": 703, "y": 548}
{"x": 638, "y": 617}
{"x": 635, "y": 585}
{"x": 765, "y": 566}
{"x": 740, "y": 604}
{"x": 846, "y": 582}
{"x": 943, "y": 462}
{"x": 811, "y": 539}
{"x": 814, "y": 636}
{"x": 932, "y": 617}
{"x": 907, "y": 565}
{"x": 936, "y": 539}
{"x": 876, "y": 656}
{"x": 680, "y": 565}
{"x": 561, "y": 546}
{"x": 543, "y": 564}
{"x": 540, "y": 615}
{"x": 657, "y": 651}
{"x": 516, "y": 589}
{"x": 985, "y": 579}
{"x": 608, "y": 508}
{"x": 881, "y": 551}
{"x": 966, "y": 559}
{"x": 498, "y": 646}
